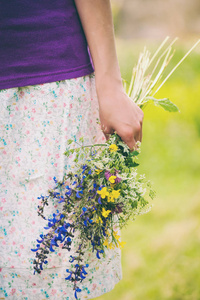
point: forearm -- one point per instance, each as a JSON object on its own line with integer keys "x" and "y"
{"x": 96, "y": 19}
{"x": 117, "y": 112}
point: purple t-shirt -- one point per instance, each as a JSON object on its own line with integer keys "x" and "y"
{"x": 41, "y": 41}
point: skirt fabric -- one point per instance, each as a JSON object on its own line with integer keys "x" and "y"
{"x": 35, "y": 124}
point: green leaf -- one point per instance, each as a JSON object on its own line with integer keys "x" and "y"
{"x": 67, "y": 153}
{"x": 135, "y": 164}
{"x": 152, "y": 194}
{"x": 134, "y": 204}
{"x": 81, "y": 140}
{"x": 134, "y": 153}
{"x": 69, "y": 141}
{"x": 165, "y": 103}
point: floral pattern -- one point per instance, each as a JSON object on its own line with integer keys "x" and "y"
{"x": 35, "y": 124}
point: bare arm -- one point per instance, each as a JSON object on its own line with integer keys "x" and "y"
{"x": 117, "y": 112}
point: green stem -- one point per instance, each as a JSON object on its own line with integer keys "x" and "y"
{"x": 178, "y": 64}
{"x": 99, "y": 145}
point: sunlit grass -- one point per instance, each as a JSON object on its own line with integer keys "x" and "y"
{"x": 161, "y": 257}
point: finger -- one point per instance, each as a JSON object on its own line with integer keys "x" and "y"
{"x": 107, "y": 131}
{"x": 138, "y": 136}
{"x": 141, "y": 134}
{"x": 107, "y": 136}
{"x": 141, "y": 125}
{"x": 131, "y": 143}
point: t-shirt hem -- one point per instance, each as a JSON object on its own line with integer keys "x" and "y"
{"x": 46, "y": 78}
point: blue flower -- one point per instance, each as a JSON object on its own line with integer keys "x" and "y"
{"x": 84, "y": 167}
{"x": 79, "y": 192}
{"x": 99, "y": 200}
{"x": 42, "y": 239}
{"x": 99, "y": 242}
{"x": 77, "y": 290}
{"x": 51, "y": 248}
{"x": 41, "y": 197}
{"x": 55, "y": 194}
{"x": 69, "y": 192}
{"x": 93, "y": 244}
{"x": 104, "y": 232}
{"x": 94, "y": 208}
{"x": 83, "y": 269}
{"x": 34, "y": 250}
{"x": 71, "y": 260}
{"x": 41, "y": 268}
{"x": 81, "y": 275}
{"x": 70, "y": 275}
{"x": 67, "y": 225}
{"x": 62, "y": 199}
{"x": 97, "y": 254}
{"x": 83, "y": 178}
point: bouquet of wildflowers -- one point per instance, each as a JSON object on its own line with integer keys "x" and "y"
{"x": 104, "y": 188}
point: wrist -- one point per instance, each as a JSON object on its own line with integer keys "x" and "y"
{"x": 108, "y": 82}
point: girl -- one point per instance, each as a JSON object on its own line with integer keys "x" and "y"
{"x": 51, "y": 90}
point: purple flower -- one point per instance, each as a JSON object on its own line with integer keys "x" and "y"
{"x": 119, "y": 208}
{"x": 117, "y": 180}
{"x": 107, "y": 174}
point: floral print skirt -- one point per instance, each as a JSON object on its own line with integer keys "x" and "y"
{"x": 35, "y": 124}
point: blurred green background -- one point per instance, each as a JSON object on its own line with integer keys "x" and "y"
{"x": 161, "y": 258}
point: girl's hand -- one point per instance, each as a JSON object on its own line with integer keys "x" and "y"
{"x": 119, "y": 113}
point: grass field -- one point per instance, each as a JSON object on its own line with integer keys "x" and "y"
{"x": 161, "y": 258}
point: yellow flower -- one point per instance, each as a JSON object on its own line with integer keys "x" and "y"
{"x": 111, "y": 246}
{"x": 98, "y": 171}
{"x": 106, "y": 243}
{"x": 113, "y": 148}
{"x": 103, "y": 192}
{"x": 115, "y": 194}
{"x": 99, "y": 220}
{"x": 111, "y": 198}
{"x": 105, "y": 213}
{"x": 116, "y": 236}
{"x": 112, "y": 179}
{"x": 121, "y": 244}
